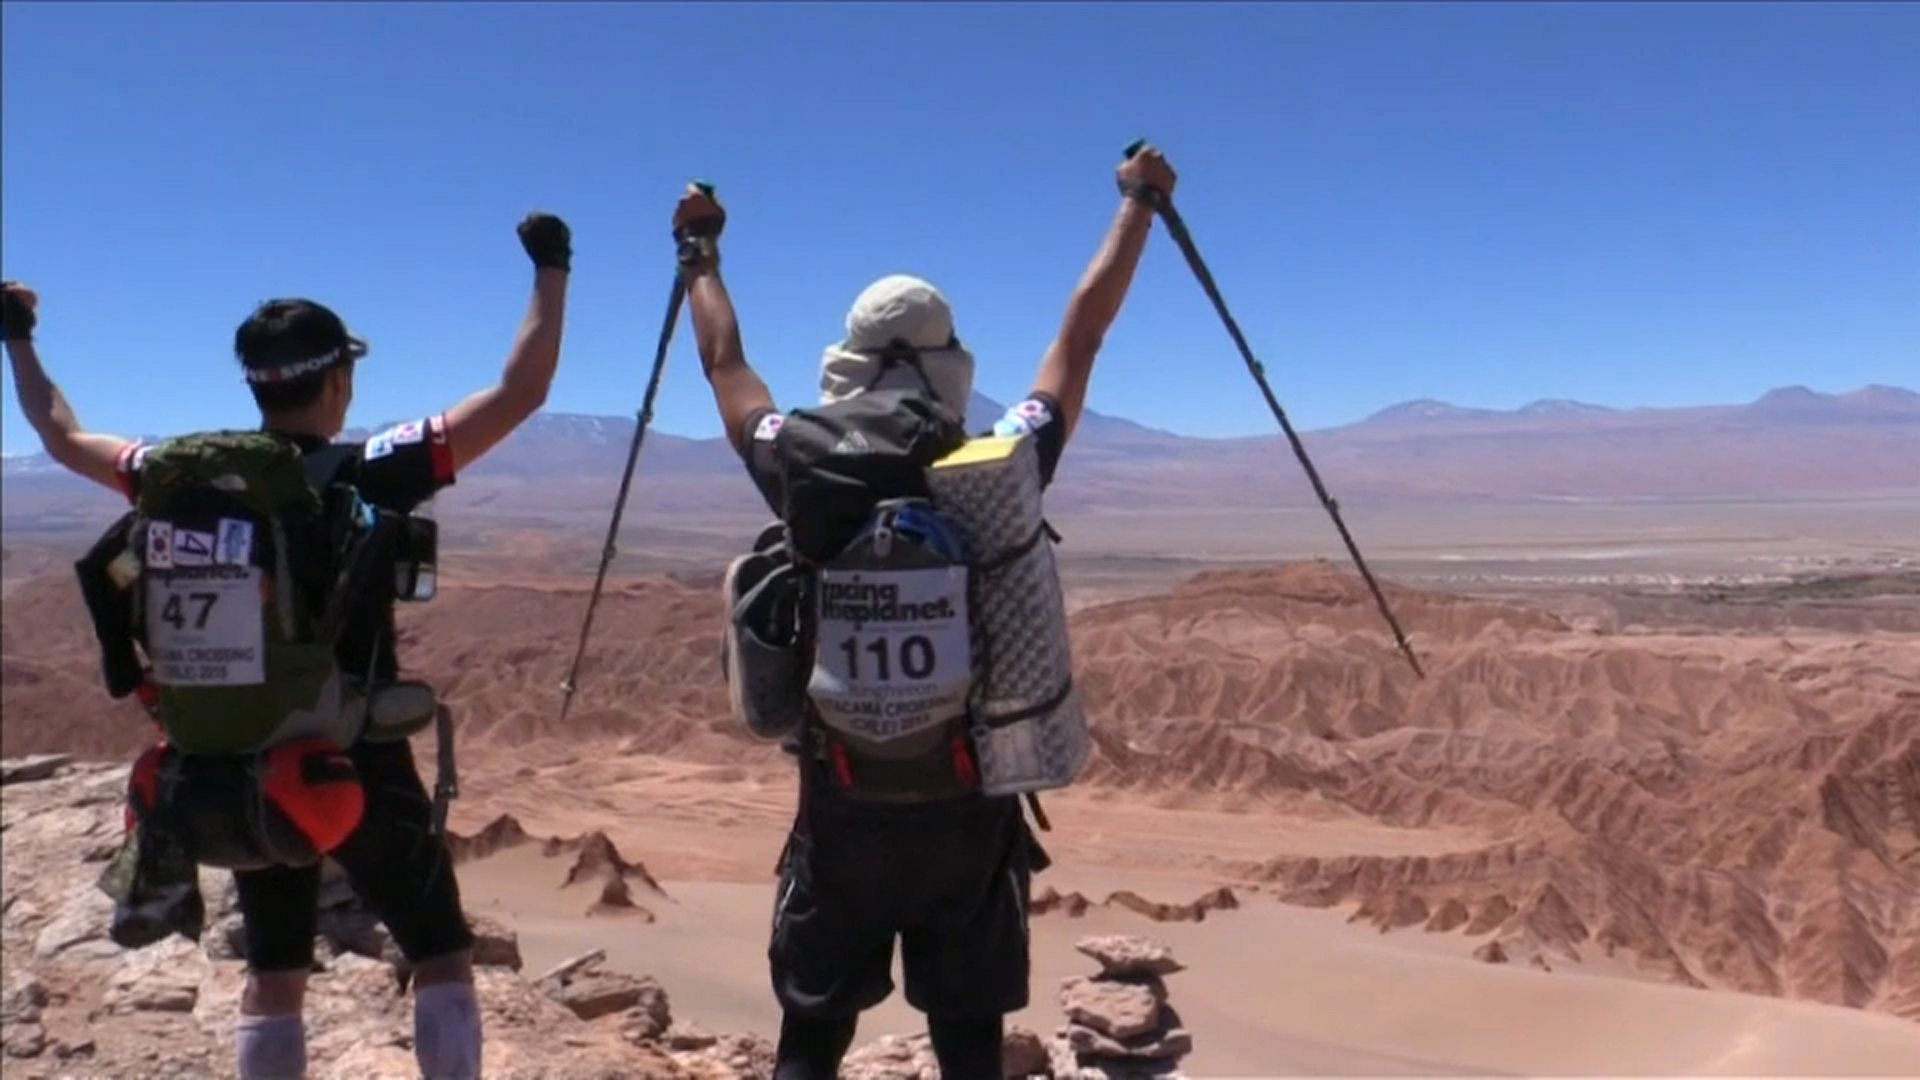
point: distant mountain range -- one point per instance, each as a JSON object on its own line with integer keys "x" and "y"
{"x": 1869, "y": 404}
{"x": 1790, "y": 442}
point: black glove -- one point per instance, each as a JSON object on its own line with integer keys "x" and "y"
{"x": 548, "y": 241}
{"x": 16, "y": 318}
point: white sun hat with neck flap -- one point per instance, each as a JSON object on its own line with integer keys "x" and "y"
{"x": 903, "y": 309}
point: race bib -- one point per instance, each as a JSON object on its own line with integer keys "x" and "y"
{"x": 204, "y": 626}
{"x": 893, "y": 657}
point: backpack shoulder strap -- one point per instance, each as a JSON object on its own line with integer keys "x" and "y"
{"x": 339, "y": 463}
{"x": 335, "y": 463}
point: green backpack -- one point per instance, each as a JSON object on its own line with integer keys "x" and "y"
{"x": 249, "y": 555}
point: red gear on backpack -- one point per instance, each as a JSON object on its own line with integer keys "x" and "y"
{"x": 316, "y": 786}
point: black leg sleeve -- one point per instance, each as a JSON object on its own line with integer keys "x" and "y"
{"x": 968, "y": 1047}
{"x": 811, "y": 1047}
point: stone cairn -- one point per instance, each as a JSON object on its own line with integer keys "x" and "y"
{"x": 1118, "y": 1021}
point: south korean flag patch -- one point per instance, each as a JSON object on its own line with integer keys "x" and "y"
{"x": 1024, "y": 419}
{"x": 159, "y": 545}
{"x": 408, "y": 434}
{"x": 768, "y": 427}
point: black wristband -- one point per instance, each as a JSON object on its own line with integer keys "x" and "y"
{"x": 697, "y": 254}
{"x": 1151, "y": 196}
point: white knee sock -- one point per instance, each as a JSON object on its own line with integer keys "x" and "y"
{"x": 272, "y": 1047}
{"x": 446, "y": 1031}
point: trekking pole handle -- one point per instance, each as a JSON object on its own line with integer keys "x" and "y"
{"x": 702, "y": 226}
{"x": 1152, "y": 197}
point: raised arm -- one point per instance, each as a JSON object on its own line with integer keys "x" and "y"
{"x": 737, "y": 390}
{"x": 479, "y": 423}
{"x": 89, "y": 454}
{"x": 1068, "y": 364}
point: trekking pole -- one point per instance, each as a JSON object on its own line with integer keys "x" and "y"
{"x": 674, "y": 300}
{"x": 1177, "y": 228}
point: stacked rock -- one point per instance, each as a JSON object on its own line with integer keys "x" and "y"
{"x": 1118, "y": 1022}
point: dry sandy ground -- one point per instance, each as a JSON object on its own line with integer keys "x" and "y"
{"x": 1270, "y": 990}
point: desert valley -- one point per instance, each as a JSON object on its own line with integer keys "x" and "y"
{"x": 1654, "y": 810}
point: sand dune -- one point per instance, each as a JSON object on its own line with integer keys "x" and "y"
{"x": 1274, "y": 990}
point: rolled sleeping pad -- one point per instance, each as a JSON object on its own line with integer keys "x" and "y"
{"x": 1030, "y": 724}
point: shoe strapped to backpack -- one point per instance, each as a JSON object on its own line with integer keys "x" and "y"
{"x": 762, "y": 654}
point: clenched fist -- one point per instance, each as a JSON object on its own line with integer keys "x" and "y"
{"x": 698, "y": 213}
{"x": 548, "y": 241}
{"x": 1146, "y": 170}
{"x": 17, "y": 304}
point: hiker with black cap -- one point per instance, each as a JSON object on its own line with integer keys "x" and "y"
{"x": 258, "y": 574}
{"x": 878, "y": 629}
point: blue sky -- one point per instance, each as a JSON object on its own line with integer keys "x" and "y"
{"x": 1491, "y": 204}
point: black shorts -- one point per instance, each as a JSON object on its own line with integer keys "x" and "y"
{"x": 949, "y": 879}
{"x": 396, "y": 863}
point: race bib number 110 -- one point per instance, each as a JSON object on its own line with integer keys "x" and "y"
{"x": 893, "y": 656}
{"x": 204, "y": 626}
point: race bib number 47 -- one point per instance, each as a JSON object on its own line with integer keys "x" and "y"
{"x": 893, "y": 656}
{"x": 204, "y": 626}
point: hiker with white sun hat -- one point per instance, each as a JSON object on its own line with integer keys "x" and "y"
{"x": 901, "y": 628}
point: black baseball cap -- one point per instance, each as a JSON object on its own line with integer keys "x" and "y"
{"x": 288, "y": 339}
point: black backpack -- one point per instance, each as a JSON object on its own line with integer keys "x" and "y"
{"x": 883, "y": 587}
{"x": 840, "y": 461}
